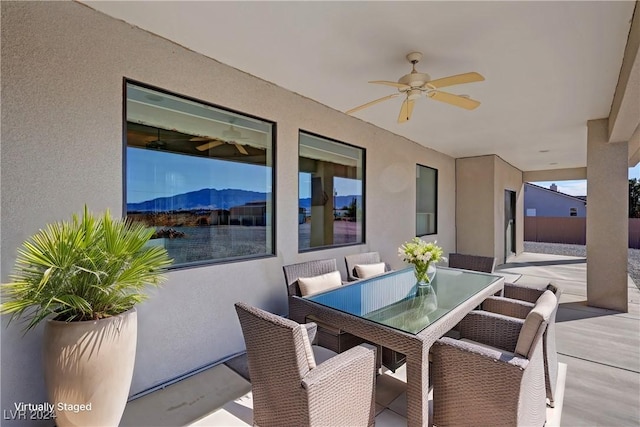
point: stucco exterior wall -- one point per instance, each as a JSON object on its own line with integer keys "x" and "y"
{"x": 475, "y": 205}
{"x": 63, "y": 66}
{"x": 508, "y": 178}
{"x": 607, "y": 223}
{"x": 480, "y": 193}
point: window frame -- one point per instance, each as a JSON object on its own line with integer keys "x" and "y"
{"x": 364, "y": 198}
{"x": 435, "y": 227}
{"x": 204, "y": 263}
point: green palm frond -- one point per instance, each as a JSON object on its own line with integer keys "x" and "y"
{"x": 87, "y": 268}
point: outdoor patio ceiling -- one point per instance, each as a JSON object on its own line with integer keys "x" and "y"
{"x": 549, "y": 66}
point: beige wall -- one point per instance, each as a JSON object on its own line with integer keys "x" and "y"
{"x": 554, "y": 175}
{"x": 474, "y": 205}
{"x": 480, "y": 191}
{"x": 607, "y": 224}
{"x": 63, "y": 66}
{"x": 507, "y": 177}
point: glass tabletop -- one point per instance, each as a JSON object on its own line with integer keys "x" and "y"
{"x": 393, "y": 299}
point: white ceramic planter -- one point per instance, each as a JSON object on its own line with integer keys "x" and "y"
{"x": 88, "y": 369}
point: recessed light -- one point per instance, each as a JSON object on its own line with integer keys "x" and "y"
{"x": 154, "y": 97}
{"x": 543, "y": 151}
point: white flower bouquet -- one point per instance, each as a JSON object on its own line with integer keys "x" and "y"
{"x": 421, "y": 254}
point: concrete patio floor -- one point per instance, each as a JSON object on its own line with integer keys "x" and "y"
{"x": 600, "y": 350}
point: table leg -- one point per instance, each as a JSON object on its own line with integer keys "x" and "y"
{"x": 418, "y": 389}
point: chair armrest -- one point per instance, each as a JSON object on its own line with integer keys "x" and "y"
{"x": 359, "y": 358}
{"x": 521, "y": 292}
{"x": 312, "y": 329}
{"x": 470, "y": 380}
{"x": 474, "y": 353}
{"x": 343, "y": 387}
{"x": 492, "y": 329}
{"x": 507, "y": 306}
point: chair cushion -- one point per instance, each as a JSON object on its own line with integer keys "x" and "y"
{"x": 315, "y": 284}
{"x": 535, "y": 323}
{"x": 369, "y": 270}
{"x": 322, "y": 354}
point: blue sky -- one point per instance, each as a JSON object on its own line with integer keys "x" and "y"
{"x": 579, "y": 188}
{"x": 152, "y": 174}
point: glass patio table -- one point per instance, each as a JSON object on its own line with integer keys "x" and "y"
{"x": 388, "y": 310}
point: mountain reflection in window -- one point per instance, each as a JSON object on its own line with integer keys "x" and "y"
{"x": 331, "y": 193}
{"x": 201, "y": 176}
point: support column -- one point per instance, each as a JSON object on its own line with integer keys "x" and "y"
{"x": 607, "y": 219}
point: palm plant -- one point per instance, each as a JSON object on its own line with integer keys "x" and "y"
{"x": 85, "y": 269}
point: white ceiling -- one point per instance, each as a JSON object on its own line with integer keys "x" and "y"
{"x": 549, "y": 66}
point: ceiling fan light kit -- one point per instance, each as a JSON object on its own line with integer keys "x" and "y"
{"x": 229, "y": 136}
{"x": 414, "y": 84}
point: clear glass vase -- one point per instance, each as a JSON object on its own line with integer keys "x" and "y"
{"x": 423, "y": 276}
{"x": 426, "y": 299}
{"x": 431, "y": 272}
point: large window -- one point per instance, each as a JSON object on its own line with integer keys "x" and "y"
{"x": 331, "y": 193}
{"x": 426, "y": 200}
{"x": 201, "y": 176}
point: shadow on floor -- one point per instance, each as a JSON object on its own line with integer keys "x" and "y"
{"x": 543, "y": 263}
{"x": 577, "y": 310}
{"x": 241, "y": 412}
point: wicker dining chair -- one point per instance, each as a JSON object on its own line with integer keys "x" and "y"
{"x": 289, "y": 389}
{"x": 390, "y": 358}
{"x": 352, "y": 261}
{"x": 329, "y": 336}
{"x": 472, "y": 262}
{"x": 493, "y": 375}
{"x": 517, "y": 301}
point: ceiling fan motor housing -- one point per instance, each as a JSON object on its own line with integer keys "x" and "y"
{"x": 231, "y": 133}
{"x": 414, "y": 94}
{"x": 414, "y": 80}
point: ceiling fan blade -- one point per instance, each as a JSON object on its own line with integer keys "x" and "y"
{"x": 241, "y": 149}
{"x": 388, "y": 83}
{"x": 406, "y": 110}
{"x": 369, "y": 104}
{"x": 457, "y": 100}
{"x": 208, "y": 145}
{"x": 455, "y": 80}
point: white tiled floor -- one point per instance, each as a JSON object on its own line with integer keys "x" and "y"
{"x": 391, "y": 404}
{"x": 219, "y": 397}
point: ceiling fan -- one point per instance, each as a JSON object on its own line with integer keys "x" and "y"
{"x": 411, "y": 86}
{"x": 229, "y": 136}
{"x": 154, "y": 142}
